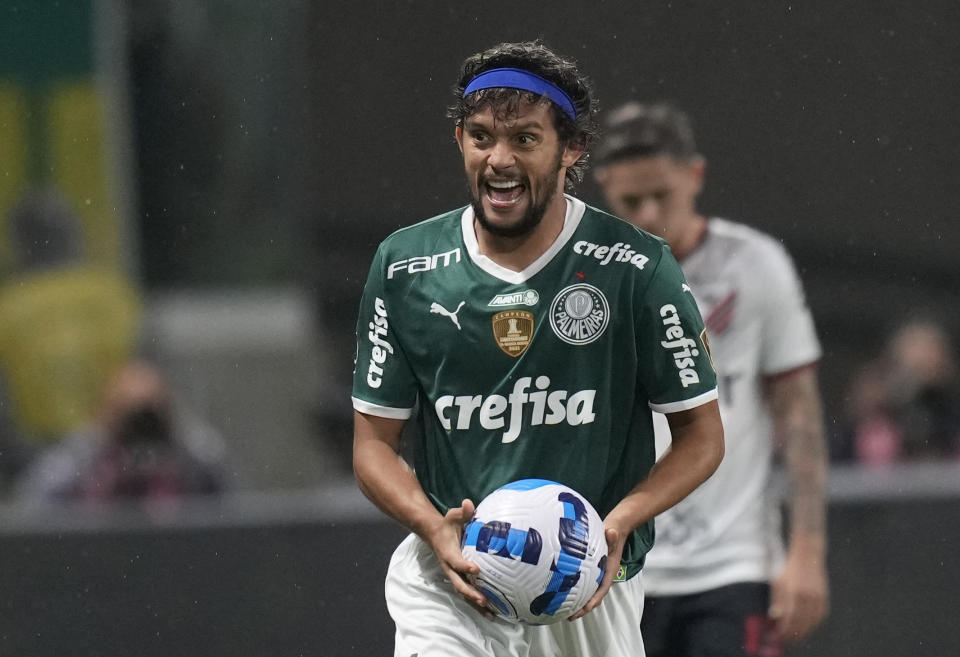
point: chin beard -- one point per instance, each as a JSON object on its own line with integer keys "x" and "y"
{"x": 528, "y": 222}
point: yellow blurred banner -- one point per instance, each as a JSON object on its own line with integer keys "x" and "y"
{"x": 54, "y": 126}
{"x": 78, "y": 165}
{"x": 13, "y": 156}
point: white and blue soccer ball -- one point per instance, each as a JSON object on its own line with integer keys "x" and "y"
{"x": 541, "y": 550}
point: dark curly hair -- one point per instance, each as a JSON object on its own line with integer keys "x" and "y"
{"x": 536, "y": 58}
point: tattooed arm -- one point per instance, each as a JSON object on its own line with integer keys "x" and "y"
{"x": 800, "y": 593}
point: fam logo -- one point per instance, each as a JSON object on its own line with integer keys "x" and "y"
{"x": 423, "y": 263}
{"x": 524, "y": 297}
{"x": 579, "y": 314}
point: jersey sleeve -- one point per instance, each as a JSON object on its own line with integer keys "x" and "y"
{"x": 672, "y": 344}
{"x": 383, "y": 383}
{"x": 789, "y": 338}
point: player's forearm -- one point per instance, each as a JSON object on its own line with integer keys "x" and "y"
{"x": 798, "y": 418}
{"x": 386, "y": 479}
{"x": 388, "y": 482}
{"x": 807, "y": 473}
{"x": 695, "y": 453}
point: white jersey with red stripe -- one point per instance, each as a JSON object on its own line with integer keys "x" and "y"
{"x": 759, "y": 326}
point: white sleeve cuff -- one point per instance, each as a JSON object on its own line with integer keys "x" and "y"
{"x": 686, "y": 404}
{"x": 382, "y": 411}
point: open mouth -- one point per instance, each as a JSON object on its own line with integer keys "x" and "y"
{"x": 504, "y": 193}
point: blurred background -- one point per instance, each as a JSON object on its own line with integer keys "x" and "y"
{"x": 190, "y": 196}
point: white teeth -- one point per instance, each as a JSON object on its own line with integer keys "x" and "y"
{"x": 504, "y": 184}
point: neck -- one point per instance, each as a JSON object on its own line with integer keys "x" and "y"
{"x": 518, "y": 253}
{"x": 689, "y": 238}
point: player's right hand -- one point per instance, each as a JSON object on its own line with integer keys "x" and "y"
{"x": 445, "y": 541}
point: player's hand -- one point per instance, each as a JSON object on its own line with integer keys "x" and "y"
{"x": 615, "y": 541}
{"x": 445, "y": 541}
{"x": 799, "y": 597}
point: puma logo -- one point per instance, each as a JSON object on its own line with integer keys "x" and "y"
{"x": 440, "y": 310}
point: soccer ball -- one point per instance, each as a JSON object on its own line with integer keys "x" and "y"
{"x": 541, "y": 550}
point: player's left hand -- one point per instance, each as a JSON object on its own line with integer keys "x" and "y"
{"x": 799, "y": 597}
{"x": 615, "y": 542}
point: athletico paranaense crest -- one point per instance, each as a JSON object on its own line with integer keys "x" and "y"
{"x": 513, "y": 331}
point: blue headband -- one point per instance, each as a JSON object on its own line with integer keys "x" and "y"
{"x": 515, "y": 78}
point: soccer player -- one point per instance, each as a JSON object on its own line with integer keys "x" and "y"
{"x": 717, "y": 580}
{"x": 530, "y": 336}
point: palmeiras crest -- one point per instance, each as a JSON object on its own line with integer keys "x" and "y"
{"x": 579, "y": 314}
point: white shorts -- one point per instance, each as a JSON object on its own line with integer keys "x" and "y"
{"x": 433, "y": 620}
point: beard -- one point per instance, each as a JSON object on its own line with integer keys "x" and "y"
{"x": 536, "y": 209}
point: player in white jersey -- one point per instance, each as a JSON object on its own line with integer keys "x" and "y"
{"x": 718, "y": 581}
{"x": 531, "y": 335}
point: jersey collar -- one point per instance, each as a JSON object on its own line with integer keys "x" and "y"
{"x": 575, "y": 210}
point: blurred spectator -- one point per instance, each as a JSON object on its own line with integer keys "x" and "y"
{"x": 905, "y": 404}
{"x": 139, "y": 447}
{"x": 64, "y": 325}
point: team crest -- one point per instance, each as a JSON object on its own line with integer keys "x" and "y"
{"x": 579, "y": 314}
{"x": 513, "y": 331}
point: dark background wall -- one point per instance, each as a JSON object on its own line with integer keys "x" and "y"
{"x": 281, "y": 142}
{"x": 827, "y": 124}
{"x": 820, "y": 122}
{"x": 314, "y": 587}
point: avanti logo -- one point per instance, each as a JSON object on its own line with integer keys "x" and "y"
{"x": 524, "y": 297}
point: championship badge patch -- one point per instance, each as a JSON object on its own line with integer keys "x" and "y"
{"x": 513, "y": 331}
{"x": 579, "y": 314}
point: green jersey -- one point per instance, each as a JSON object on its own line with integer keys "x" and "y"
{"x": 547, "y": 373}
